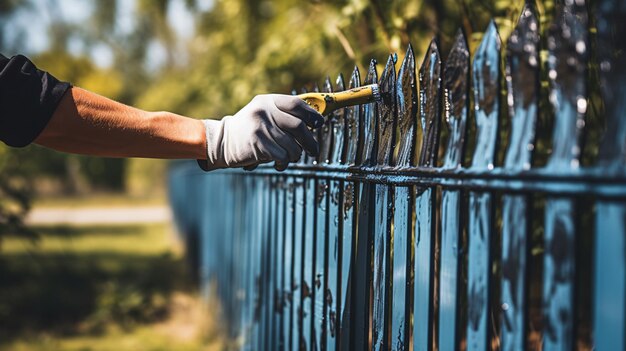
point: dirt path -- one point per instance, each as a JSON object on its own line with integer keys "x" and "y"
{"x": 99, "y": 215}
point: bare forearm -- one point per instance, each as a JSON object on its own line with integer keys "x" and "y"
{"x": 86, "y": 123}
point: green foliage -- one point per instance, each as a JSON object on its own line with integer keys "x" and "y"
{"x": 243, "y": 48}
{"x": 84, "y": 279}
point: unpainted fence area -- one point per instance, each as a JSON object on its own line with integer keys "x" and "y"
{"x": 379, "y": 245}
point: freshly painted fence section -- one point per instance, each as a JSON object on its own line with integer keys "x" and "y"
{"x": 423, "y": 238}
{"x": 486, "y": 74}
{"x": 456, "y": 101}
{"x": 377, "y": 245}
{"x": 522, "y": 77}
{"x": 610, "y": 246}
{"x": 567, "y": 63}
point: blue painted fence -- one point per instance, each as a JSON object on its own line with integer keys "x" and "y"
{"x": 378, "y": 245}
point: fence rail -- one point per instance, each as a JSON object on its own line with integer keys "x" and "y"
{"x": 379, "y": 245}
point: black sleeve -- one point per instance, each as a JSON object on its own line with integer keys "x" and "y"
{"x": 28, "y": 98}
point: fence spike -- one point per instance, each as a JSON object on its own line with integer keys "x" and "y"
{"x": 326, "y": 132}
{"x": 522, "y": 72}
{"x": 370, "y": 122}
{"x": 455, "y": 85}
{"x": 354, "y": 117}
{"x": 430, "y": 100}
{"x": 406, "y": 106}
{"x": 387, "y": 113}
{"x": 339, "y": 126}
{"x": 567, "y": 62}
{"x": 486, "y": 73}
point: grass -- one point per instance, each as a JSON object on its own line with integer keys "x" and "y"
{"x": 76, "y": 241}
{"x": 100, "y": 288}
{"x": 100, "y": 200}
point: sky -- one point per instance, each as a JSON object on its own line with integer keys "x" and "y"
{"x": 34, "y": 22}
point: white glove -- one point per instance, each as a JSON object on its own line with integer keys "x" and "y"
{"x": 269, "y": 128}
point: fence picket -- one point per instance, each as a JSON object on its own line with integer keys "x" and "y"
{"x": 335, "y": 225}
{"x": 370, "y": 122}
{"x": 275, "y": 233}
{"x": 361, "y": 328}
{"x": 406, "y": 105}
{"x": 264, "y": 303}
{"x": 522, "y": 76}
{"x": 354, "y": 116}
{"x": 567, "y": 62}
{"x": 610, "y": 244}
{"x": 486, "y": 81}
{"x": 319, "y": 320}
{"x": 297, "y": 262}
{"x": 383, "y": 213}
{"x": 288, "y": 325}
{"x": 423, "y": 237}
{"x": 455, "y": 86}
{"x": 347, "y": 216}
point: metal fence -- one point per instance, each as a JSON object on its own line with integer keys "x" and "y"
{"x": 377, "y": 245}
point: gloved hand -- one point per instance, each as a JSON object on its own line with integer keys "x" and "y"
{"x": 270, "y": 128}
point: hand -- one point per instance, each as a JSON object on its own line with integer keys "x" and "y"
{"x": 269, "y": 128}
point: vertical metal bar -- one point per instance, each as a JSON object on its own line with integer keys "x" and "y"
{"x": 239, "y": 249}
{"x": 274, "y": 234}
{"x": 383, "y": 212}
{"x": 266, "y": 274}
{"x": 522, "y": 77}
{"x": 321, "y": 235}
{"x": 455, "y": 90}
{"x": 260, "y": 279}
{"x": 288, "y": 322}
{"x": 424, "y": 235}
{"x": 567, "y": 61}
{"x": 335, "y": 224}
{"x": 486, "y": 79}
{"x": 347, "y": 216}
{"x": 334, "y": 235}
{"x": 297, "y": 263}
{"x": 319, "y": 320}
{"x": 308, "y": 272}
{"x": 251, "y": 262}
{"x": 361, "y": 297}
{"x": 406, "y": 105}
{"x": 609, "y": 303}
{"x": 279, "y": 292}
{"x": 380, "y": 277}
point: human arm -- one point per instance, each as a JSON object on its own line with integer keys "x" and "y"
{"x": 270, "y": 128}
{"x": 35, "y": 107}
{"x": 90, "y": 124}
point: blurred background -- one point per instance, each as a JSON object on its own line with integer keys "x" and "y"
{"x": 89, "y": 259}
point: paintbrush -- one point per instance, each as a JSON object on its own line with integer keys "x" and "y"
{"x": 326, "y": 103}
